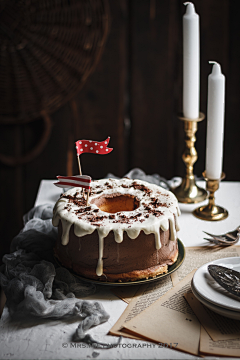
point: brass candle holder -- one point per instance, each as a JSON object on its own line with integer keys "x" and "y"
{"x": 211, "y": 212}
{"x": 188, "y": 192}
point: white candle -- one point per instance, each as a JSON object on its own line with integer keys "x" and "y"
{"x": 191, "y": 67}
{"x": 215, "y": 122}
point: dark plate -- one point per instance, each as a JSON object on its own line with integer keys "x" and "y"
{"x": 171, "y": 269}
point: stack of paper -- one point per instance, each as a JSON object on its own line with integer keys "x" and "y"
{"x": 166, "y": 312}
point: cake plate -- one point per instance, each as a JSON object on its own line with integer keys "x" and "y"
{"x": 171, "y": 269}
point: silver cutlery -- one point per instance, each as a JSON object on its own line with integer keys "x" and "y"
{"x": 229, "y": 279}
{"x": 227, "y": 239}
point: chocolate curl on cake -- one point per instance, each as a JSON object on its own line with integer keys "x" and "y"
{"x": 83, "y": 181}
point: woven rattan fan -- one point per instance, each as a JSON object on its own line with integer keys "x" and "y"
{"x": 48, "y": 48}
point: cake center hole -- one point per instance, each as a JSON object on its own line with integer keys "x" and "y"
{"x": 115, "y": 203}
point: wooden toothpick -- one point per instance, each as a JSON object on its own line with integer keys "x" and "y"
{"x": 80, "y": 172}
{"x": 79, "y": 165}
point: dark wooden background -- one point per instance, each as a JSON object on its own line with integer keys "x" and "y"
{"x": 134, "y": 96}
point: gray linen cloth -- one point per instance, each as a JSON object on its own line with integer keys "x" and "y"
{"x": 35, "y": 285}
{"x": 139, "y": 174}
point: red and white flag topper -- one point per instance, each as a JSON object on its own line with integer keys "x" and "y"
{"x": 83, "y": 181}
{"x": 93, "y": 147}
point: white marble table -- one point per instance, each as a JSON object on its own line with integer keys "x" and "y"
{"x": 52, "y": 339}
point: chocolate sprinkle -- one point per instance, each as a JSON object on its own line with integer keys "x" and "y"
{"x": 156, "y": 203}
{"x": 108, "y": 185}
{"x": 137, "y": 186}
{"x": 74, "y": 200}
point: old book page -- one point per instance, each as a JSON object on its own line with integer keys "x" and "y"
{"x": 229, "y": 348}
{"x": 126, "y": 293}
{"x": 144, "y": 297}
{"x": 200, "y": 255}
{"x": 170, "y": 320}
{"x": 218, "y": 327}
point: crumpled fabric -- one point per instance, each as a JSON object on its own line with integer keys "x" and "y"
{"x": 35, "y": 285}
{"x": 139, "y": 174}
{"x": 38, "y": 235}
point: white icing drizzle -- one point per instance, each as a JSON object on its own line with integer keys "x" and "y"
{"x": 177, "y": 223}
{"x": 172, "y": 229}
{"x": 102, "y": 233}
{"x": 66, "y": 225}
{"x": 133, "y": 233}
{"x": 165, "y": 216}
{"x": 156, "y": 233}
{"x": 118, "y": 235}
{"x": 164, "y": 224}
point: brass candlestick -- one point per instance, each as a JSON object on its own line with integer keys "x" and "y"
{"x": 188, "y": 192}
{"x": 211, "y": 212}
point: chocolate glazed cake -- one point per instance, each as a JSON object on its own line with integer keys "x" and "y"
{"x": 127, "y": 233}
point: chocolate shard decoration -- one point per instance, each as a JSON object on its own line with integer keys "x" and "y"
{"x": 229, "y": 279}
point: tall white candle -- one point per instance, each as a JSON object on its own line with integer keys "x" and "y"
{"x": 191, "y": 67}
{"x": 215, "y": 122}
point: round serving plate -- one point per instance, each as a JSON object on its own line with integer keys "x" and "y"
{"x": 217, "y": 309}
{"x": 210, "y": 290}
{"x": 171, "y": 269}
